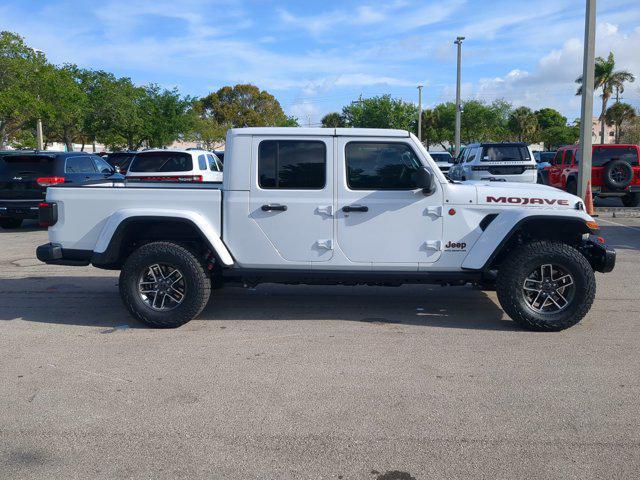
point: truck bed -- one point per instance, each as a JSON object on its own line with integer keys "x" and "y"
{"x": 90, "y": 213}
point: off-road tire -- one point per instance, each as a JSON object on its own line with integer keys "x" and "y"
{"x": 612, "y": 182}
{"x": 522, "y": 262}
{"x": 631, "y": 200}
{"x": 198, "y": 284}
{"x": 10, "y": 223}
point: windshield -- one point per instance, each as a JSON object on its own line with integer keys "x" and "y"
{"x": 505, "y": 153}
{"x": 162, "y": 162}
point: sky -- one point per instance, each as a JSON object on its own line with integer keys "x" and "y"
{"x": 317, "y": 56}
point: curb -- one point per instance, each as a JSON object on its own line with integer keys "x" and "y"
{"x": 618, "y": 212}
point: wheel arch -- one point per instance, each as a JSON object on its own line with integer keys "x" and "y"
{"x": 119, "y": 238}
{"x": 566, "y": 229}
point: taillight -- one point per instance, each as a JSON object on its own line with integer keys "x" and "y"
{"x": 47, "y": 214}
{"x": 48, "y": 181}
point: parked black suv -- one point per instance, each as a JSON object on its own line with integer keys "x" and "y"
{"x": 25, "y": 176}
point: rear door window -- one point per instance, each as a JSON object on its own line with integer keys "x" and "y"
{"x": 162, "y": 162}
{"x": 505, "y": 153}
{"x": 292, "y": 164}
{"x": 80, "y": 165}
{"x": 557, "y": 160}
{"x": 603, "y": 155}
{"x": 102, "y": 166}
{"x": 18, "y": 165}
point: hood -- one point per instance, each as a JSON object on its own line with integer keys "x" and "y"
{"x": 524, "y": 195}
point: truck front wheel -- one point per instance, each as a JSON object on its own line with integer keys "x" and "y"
{"x": 164, "y": 285}
{"x": 546, "y": 286}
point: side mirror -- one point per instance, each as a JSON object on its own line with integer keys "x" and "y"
{"x": 424, "y": 180}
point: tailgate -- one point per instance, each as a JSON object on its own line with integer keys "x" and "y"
{"x": 19, "y": 175}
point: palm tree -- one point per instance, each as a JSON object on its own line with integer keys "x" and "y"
{"x": 333, "y": 120}
{"x": 619, "y": 113}
{"x": 523, "y": 123}
{"x": 608, "y": 79}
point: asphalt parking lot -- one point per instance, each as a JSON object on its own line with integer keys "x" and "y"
{"x": 284, "y": 382}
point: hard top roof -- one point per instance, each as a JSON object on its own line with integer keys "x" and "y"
{"x": 309, "y": 132}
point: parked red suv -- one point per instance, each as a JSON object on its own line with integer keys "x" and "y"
{"x": 615, "y": 172}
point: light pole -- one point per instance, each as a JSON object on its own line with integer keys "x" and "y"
{"x": 458, "y": 42}
{"x": 586, "y": 116}
{"x": 39, "y": 136}
{"x": 420, "y": 113}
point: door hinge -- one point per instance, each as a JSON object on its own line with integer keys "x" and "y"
{"x": 432, "y": 245}
{"x": 435, "y": 211}
{"x": 326, "y": 244}
{"x": 325, "y": 210}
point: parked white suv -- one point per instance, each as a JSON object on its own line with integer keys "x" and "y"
{"x": 175, "y": 165}
{"x": 509, "y": 162}
{"x": 339, "y": 206}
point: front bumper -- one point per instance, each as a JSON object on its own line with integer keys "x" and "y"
{"x": 54, "y": 254}
{"x": 26, "y": 209}
{"x": 601, "y": 257}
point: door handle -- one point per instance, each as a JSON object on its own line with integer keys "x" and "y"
{"x": 274, "y": 208}
{"x": 355, "y": 208}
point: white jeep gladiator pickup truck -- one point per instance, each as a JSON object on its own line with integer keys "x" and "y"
{"x": 330, "y": 206}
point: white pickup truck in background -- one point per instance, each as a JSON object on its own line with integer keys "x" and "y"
{"x": 330, "y": 206}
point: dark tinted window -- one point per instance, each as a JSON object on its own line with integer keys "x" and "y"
{"x": 557, "y": 159}
{"x": 568, "y": 155}
{"x": 213, "y": 165}
{"x": 381, "y": 166}
{"x": 441, "y": 156}
{"x": 504, "y": 153}
{"x": 103, "y": 167}
{"x": 602, "y": 155}
{"x": 547, "y": 156}
{"x": 162, "y": 162}
{"x": 16, "y": 165}
{"x": 120, "y": 159}
{"x": 292, "y": 164}
{"x": 80, "y": 165}
{"x": 202, "y": 162}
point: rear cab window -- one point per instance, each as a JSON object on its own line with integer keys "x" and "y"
{"x": 505, "y": 153}
{"x": 162, "y": 162}
{"x": 603, "y": 155}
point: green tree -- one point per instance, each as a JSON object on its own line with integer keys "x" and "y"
{"x": 482, "y": 122}
{"x": 64, "y": 104}
{"x": 609, "y": 80}
{"x": 20, "y": 71}
{"x": 523, "y": 123}
{"x": 381, "y": 112}
{"x": 333, "y": 120}
{"x": 631, "y": 132}
{"x": 618, "y": 114}
{"x": 165, "y": 115}
{"x": 556, "y": 136}
{"x": 548, "y": 117}
{"x": 444, "y": 124}
{"x": 245, "y": 106}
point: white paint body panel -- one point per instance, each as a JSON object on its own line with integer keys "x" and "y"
{"x": 403, "y": 230}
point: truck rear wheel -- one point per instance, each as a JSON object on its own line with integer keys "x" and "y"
{"x": 164, "y": 285}
{"x": 547, "y": 286}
